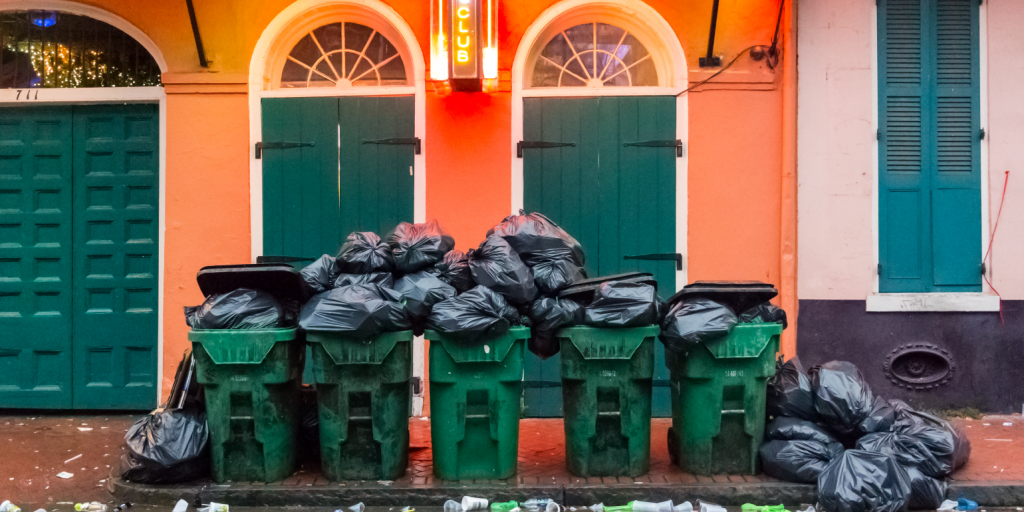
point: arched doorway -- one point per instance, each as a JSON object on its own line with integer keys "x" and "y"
{"x": 81, "y": 166}
{"x": 601, "y": 129}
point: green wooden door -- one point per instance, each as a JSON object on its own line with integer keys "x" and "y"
{"x": 617, "y": 200}
{"x": 347, "y": 180}
{"x": 116, "y": 234}
{"x": 79, "y": 196}
{"x": 929, "y": 207}
{"x": 35, "y": 257}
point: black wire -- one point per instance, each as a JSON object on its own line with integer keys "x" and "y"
{"x": 719, "y": 72}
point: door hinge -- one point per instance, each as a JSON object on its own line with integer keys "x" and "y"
{"x": 983, "y": 268}
{"x": 260, "y": 146}
{"x": 417, "y": 385}
{"x": 398, "y": 141}
{"x": 982, "y": 134}
{"x": 878, "y": 134}
{"x": 539, "y": 144}
{"x": 678, "y": 258}
{"x": 678, "y": 144}
{"x": 879, "y": 269}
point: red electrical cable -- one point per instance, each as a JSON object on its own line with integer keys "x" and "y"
{"x": 991, "y": 239}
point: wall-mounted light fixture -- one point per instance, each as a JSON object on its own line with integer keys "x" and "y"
{"x": 463, "y": 45}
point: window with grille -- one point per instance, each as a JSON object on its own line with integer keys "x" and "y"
{"x": 343, "y": 54}
{"x": 594, "y": 55}
{"x": 49, "y": 49}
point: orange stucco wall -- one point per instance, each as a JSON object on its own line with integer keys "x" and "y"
{"x": 735, "y": 148}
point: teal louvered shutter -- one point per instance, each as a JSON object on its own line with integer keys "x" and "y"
{"x": 929, "y": 152}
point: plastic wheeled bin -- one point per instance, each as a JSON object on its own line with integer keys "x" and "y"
{"x": 251, "y": 379}
{"x": 718, "y": 400}
{"x": 362, "y": 389}
{"x": 475, "y": 397}
{"x": 606, "y": 392}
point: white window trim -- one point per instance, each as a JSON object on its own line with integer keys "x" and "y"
{"x": 257, "y": 68}
{"x": 672, "y": 75}
{"x": 928, "y": 302}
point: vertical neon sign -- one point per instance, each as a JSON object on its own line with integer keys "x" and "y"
{"x": 464, "y": 42}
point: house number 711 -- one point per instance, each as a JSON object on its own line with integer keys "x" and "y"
{"x": 28, "y": 95}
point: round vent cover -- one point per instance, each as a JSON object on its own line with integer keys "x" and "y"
{"x": 919, "y": 366}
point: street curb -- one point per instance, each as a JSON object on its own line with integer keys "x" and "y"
{"x": 989, "y": 494}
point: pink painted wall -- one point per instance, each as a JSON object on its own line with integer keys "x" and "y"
{"x": 837, "y": 155}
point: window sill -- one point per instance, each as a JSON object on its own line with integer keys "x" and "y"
{"x": 932, "y": 302}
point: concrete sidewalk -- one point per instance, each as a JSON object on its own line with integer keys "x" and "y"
{"x": 37, "y": 448}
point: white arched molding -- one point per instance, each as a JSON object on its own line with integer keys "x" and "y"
{"x": 268, "y": 58}
{"x": 651, "y": 29}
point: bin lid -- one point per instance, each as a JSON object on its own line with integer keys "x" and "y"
{"x": 583, "y": 291}
{"x": 278, "y": 279}
{"x": 739, "y": 295}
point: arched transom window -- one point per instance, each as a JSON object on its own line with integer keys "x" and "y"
{"x": 594, "y": 55}
{"x": 343, "y": 54}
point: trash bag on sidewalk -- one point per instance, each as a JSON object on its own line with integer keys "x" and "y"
{"x": 860, "y": 481}
{"x": 696, "y": 321}
{"x": 879, "y": 419}
{"x": 949, "y": 445}
{"x": 495, "y": 265}
{"x": 766, "y": 313}
{"x": 384, "y": 279}
{"x": 790, "y": 392}
{"x": 926, "y": 493}
{"x": 552, "y": 276}
{"x": 535, "y": 238}
{"x": 842, "y": 398}
{"x": 243, "y": 308}
{"x": 620, "y": 304}
{"x": 363, "y": 310}
{"x": 799, "y": 460}
{"x": 785, "y": 428}
{"x": 167, "y": 446}
{"x": 421, "y": 291}
{"x": 548, "y": 315}
{"x": 319, "y": 276}
{"x": 364, "y": 252}
{"x": 418, "y": 246}
{"x": 473, "y": 317}
{"x": 454, "y": 270}
{"x": 907, "y": 450}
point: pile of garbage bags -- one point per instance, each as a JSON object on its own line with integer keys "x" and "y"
{"x": 864, "y": 452}
{"x": 701, "y": 320}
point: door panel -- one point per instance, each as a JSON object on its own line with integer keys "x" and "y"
{"x": 616, "y": 200}
{"x": 35, "y": 257}
{"x": 116, "y": 194}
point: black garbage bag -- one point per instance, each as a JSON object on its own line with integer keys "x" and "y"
{"x": 473, "y": 317}
{"x": 621, "y": 304}
{"x": 319, "y": 276}
{"x": 384, "y": 279}
{"x": 926, "y": 493}
{"x": 949, "y": 445}
{"x": 535, "y": 238}
{"x": 860, "y": 481}
{"x": 790, "y": 392}
{"x": 548, "y": 315}
{"x": 879, "y": 419}
{"x": 243, "y": 308}
{"x": 495, "y": 265}
{"x": 454, "y": 270}
{"x": 418, "y": 246}
{"x": 785, "y": 428}
{"x": 167, "y": 446}
{"x": 552, "y": 276}
{"x": 362, "y": 310}
{"x": 842, "y": 398}
{"x": 364, "y": 252}
{"x": 421, "y": 291}
{"x": 799, "y": 460}
{"x": 766, "y": 313}
{"x": 907, "y": 450}
{"x": 696, "y": 321}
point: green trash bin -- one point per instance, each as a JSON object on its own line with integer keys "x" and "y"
{"x": 251, "y": 380}
{"x": 718, "y": 400}
{"x": 606, "y": 392}
{"x": 475, "y": 397}
{"x": 362, "y": 393}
